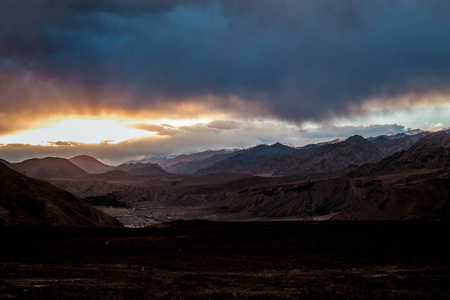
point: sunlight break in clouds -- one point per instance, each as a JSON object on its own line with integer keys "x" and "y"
{"x": 241, "y": 72}
{"x": 79, "y": 130}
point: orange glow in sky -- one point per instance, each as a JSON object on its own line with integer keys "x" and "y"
{"x": 82, "y": 130}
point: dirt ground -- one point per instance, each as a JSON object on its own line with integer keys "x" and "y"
{"x": 229, "y": 260}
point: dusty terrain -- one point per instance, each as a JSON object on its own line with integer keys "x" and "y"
{"x": 228, "y": 260}
{"x": 407, "y": 195}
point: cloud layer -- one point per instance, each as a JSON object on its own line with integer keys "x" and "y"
{"x": 248, "y": 71}
{"x": 174, "y": 140}
{"x": 296, "y": 60}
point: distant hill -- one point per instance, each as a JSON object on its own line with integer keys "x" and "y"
{"x": 142, "y": 169}
{"x": 328, "y": 158}
{"x": 400, "y": 144}
{"x": 246, "y": 160}
{"x": 90, "y": 164}
{"x": 382, "y": 139}
{"x": 29, "y": 202}
{"x": 166, "y": 162}
{"x": 49, "y": 167}
{"x": 185, "y": 158}
{"x": 190, "y": 167}
{"x": 314, "y": 146}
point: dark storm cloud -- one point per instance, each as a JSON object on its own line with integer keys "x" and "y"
{"x": 301, "y": 59}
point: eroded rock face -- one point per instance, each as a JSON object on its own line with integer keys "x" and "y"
{"x": 333, "y": 157}
{"x": 29, "y": 202}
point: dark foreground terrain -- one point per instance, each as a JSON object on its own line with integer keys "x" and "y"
{"x": 227, "y": 260}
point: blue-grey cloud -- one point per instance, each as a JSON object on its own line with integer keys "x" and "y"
{"x": 346, "y": 131}
{"x": 303, "y": 60}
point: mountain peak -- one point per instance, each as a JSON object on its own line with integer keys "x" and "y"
{"x": 83, "y": 156}
{"x": 90, "y": 164}
{"x": 356, "y": 137}
{"x": 49, "y": 167}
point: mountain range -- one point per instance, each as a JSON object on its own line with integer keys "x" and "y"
{"x": 141, "y": 169}
{"x": 392, "y": 177}
{"x": 246, "y": 160}
{"x": 90, "y": 164}
{"x": 267, "y": 160}
{"x": 412, "y": 184}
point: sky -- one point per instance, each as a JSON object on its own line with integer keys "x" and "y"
{"x": 124, "y": 79}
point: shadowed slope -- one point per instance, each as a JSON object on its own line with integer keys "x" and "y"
{"x": 430, "y": 152}
{"x": 413, "y": 184}
{"x": 329, "y": 158}
{"x": 90, "y": 164}
{"x": 49, "y": 167}
{"x": 29, "y": 202}
{"x": 141, "y": 169}
{"x": 246, "y": 160}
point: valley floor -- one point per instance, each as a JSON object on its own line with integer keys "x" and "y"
{"x": 227, "y": 260}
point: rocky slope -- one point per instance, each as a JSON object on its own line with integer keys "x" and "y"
{"x": 29, "y": 202}
{"x": 49, "y": 167}
{"x": 90, "y": 164}
{"x": 246, "y": 160}
{"x": 185, "y": 158}
{"x": 190, "y": 167}
{"x": 430, "y": 152}
{"x": 141, "y": 169}
{"x": 417, "y": 195}
{"x": 328, "y": 158}
{"x": 412, "y": 184}
{"x": 400, "y": 144}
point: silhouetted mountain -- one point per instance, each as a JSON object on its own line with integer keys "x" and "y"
{"x": 314, "y": 146}
{"x": 166, "y": 163}
{"x": 29, "y": 202}
{"x": 190, "y": 167}
{"x": 153, "y": 160}
{"x": 430, "y": 152}
{"x": 6, "y": 163}
{"x": 329, "y": 158}
{"x": 382, "y": 139}
{"x": 90, "y": 164}
{"x": 184, "y": 158}
{"x": 49, "y": 167}
{"x": 142, "y": 169}
{"x": 246, "y": 160}
{"x": 400, "y": 144}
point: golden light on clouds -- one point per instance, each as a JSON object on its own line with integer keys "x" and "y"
{"x": 29, "y": 99}
{"x": 81, "y": 130}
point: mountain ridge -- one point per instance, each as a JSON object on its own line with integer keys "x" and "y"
{"x": 246, "y": 160}
{"x": 90, "y": 164}
{"x": 49, "y": 167}
{"x": 25, "y": 201}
